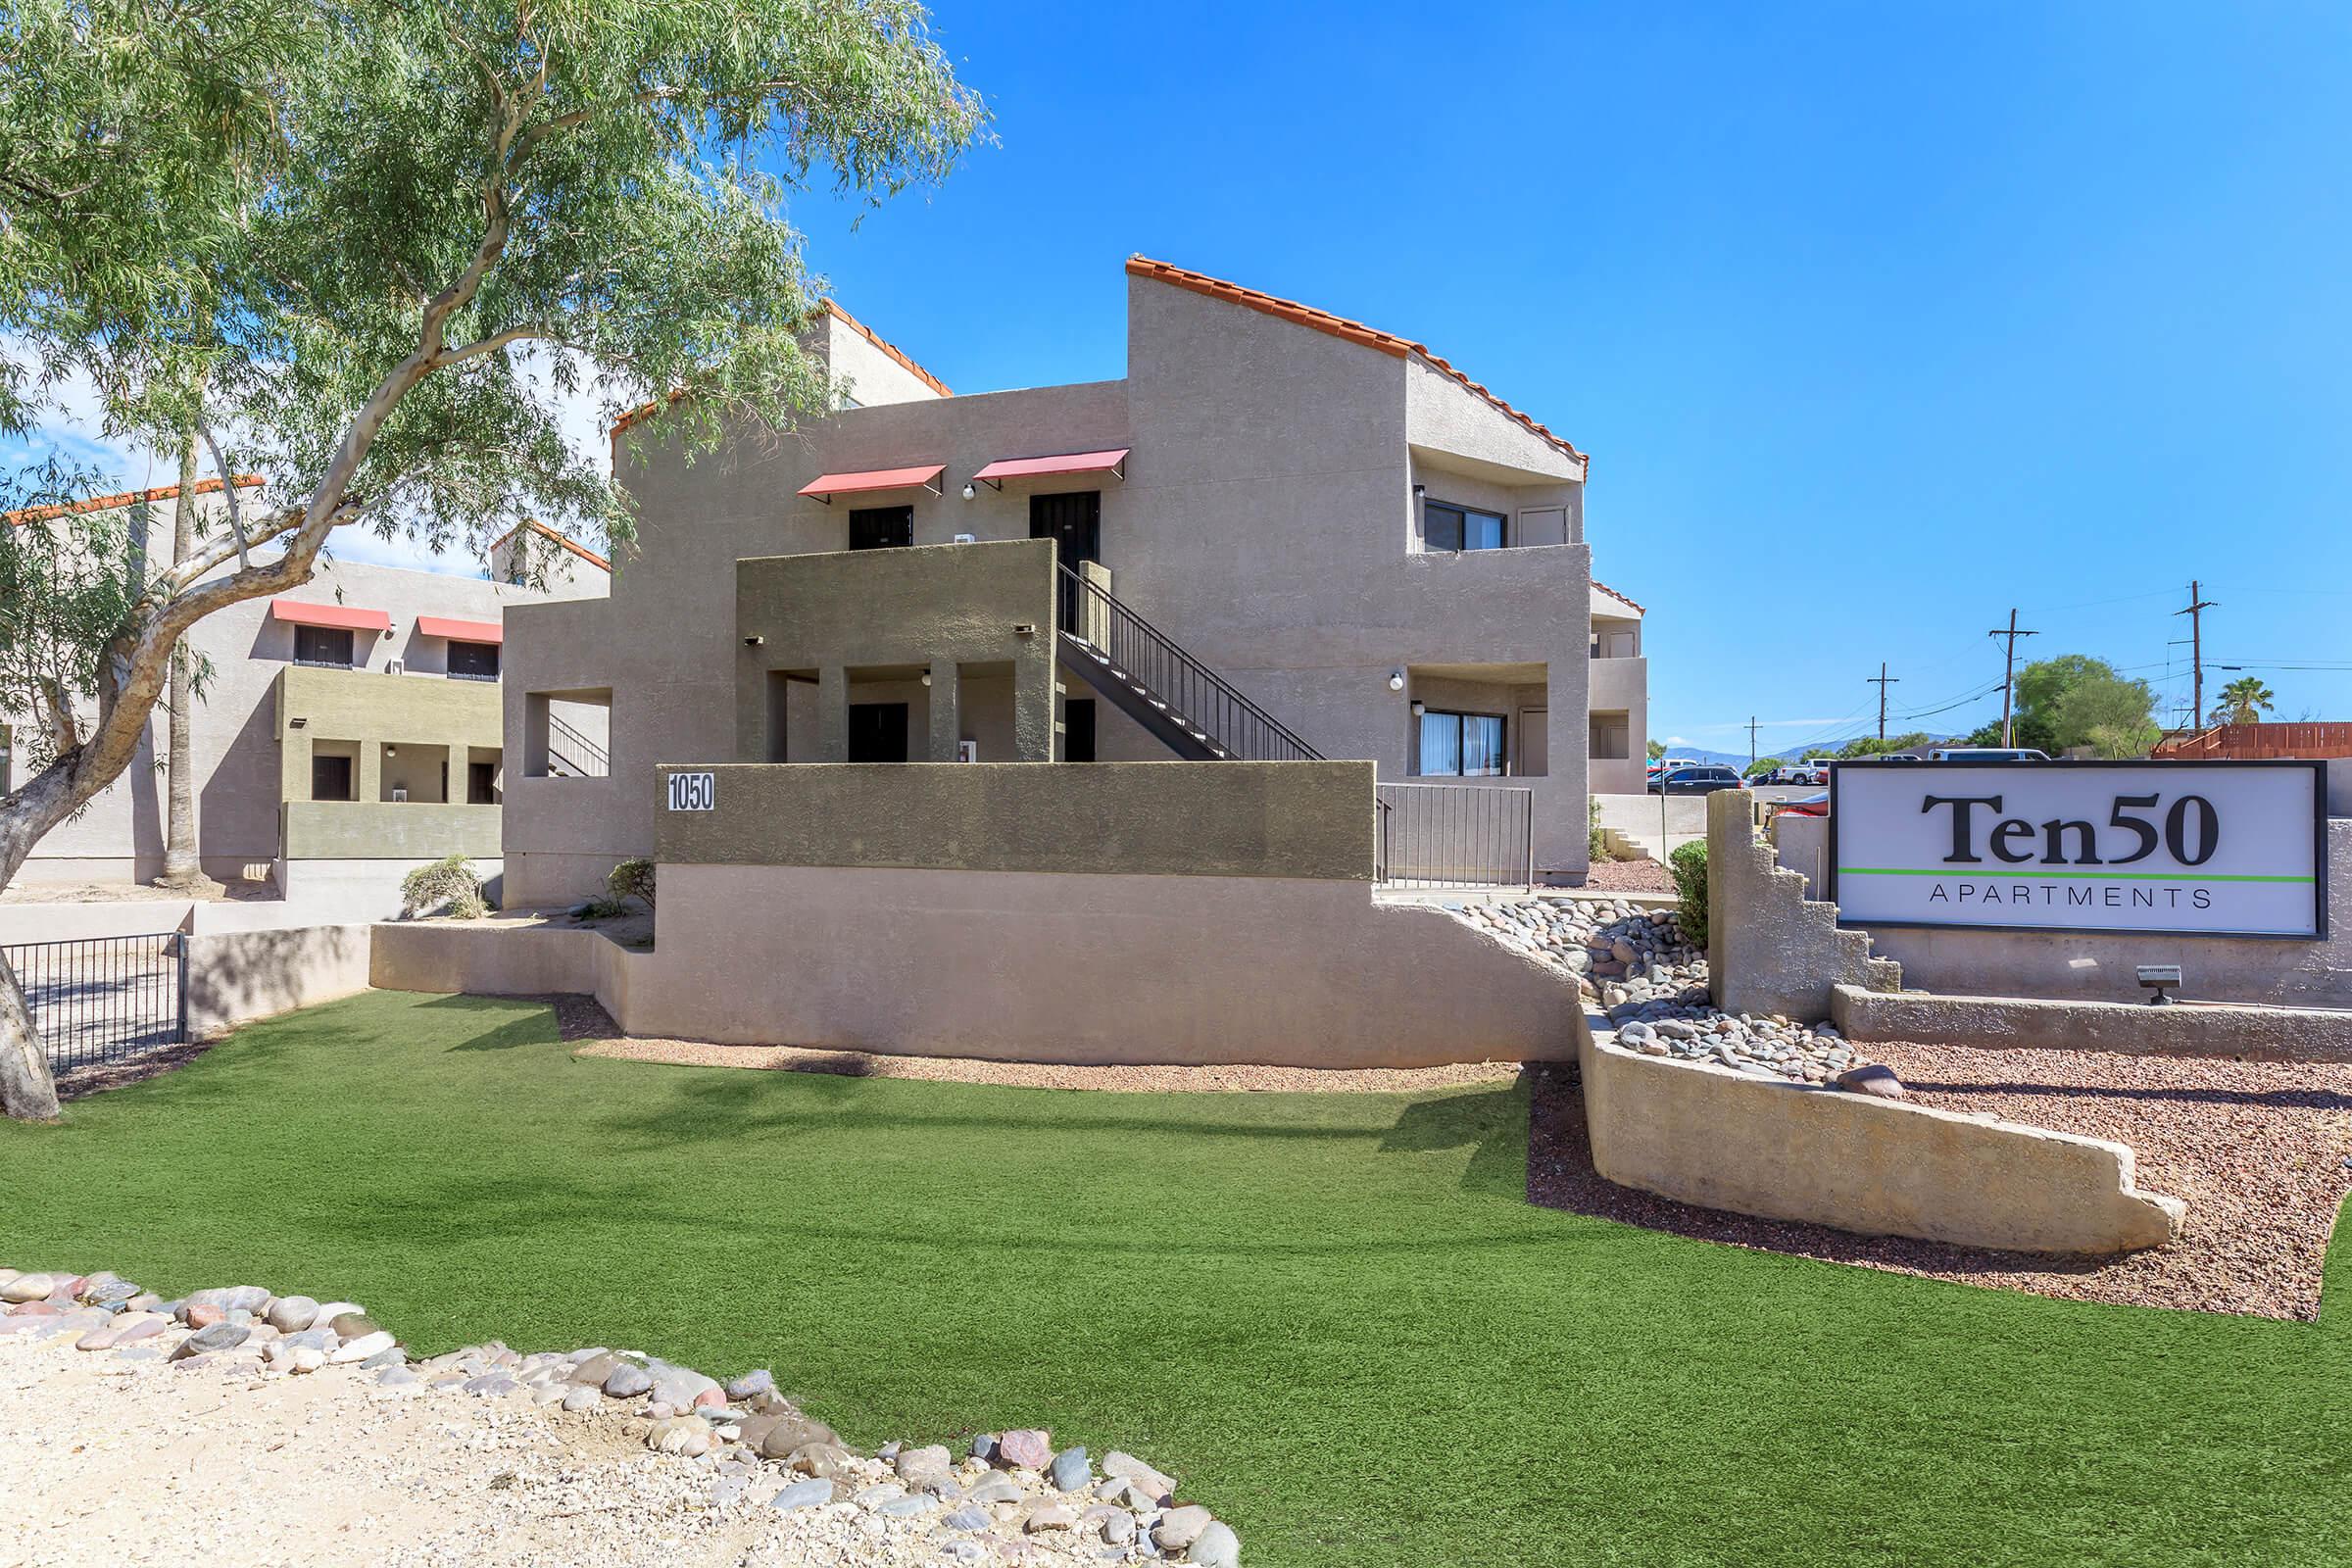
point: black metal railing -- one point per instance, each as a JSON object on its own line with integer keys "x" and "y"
{"x": 1195, "y": 695}
{"x": 1456, "y": 835}
{"x": 104, "y": 999}
{"x": 578, "y": 756}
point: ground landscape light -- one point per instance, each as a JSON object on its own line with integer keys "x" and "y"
{"x": 2157, "y": 976}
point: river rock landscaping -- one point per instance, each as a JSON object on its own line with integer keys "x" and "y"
{"x": 1636, "y": 966}
{"x": 589, "y": 1454}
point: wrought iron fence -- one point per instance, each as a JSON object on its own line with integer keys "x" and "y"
{"x": 1456, "y": 835}
{"x": 104, "y": 999}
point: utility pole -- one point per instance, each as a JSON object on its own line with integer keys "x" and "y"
{"x": 1882, "y": 680}
{"x": 1752, "y": 740}
{"x": 2009, "y": 672}
{"x": 2198, "y": 604}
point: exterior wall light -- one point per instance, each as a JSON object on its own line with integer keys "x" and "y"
{"x": 968, "y": 491}
{"x": 1396, "y": 680}
{"x": 1420, "y": 708}
{"x": 753, "y": 642}
{"x": 926, "y": 677}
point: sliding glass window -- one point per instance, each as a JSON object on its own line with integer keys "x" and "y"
{"x": 1446, "y": 526}
{"x": 1461, "y": 745}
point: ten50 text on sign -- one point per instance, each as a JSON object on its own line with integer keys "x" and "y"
{"x": 2215, "y": 849}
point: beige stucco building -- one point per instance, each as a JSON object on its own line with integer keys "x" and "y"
{"x": 1282, "y": 534}
{"x": 346, "y": 731}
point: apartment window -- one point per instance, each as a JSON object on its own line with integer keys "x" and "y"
{"x": 1461, "y": 745}
{"x": 1446, "y": 526}
{"x": 881, "y": 527}
{"x": 323, "y": 645}
{"x": 473, "y": 660}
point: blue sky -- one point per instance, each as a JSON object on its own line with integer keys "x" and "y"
{"x": 1877, "y": 319}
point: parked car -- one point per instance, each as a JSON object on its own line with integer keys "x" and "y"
{"x": 1987, "y": 754}
{"x": 1806, "y": 806}
{"x": 1816, "y": 769}
{"x": 1696, "y": 780}
{"x": 1667, "y": 764}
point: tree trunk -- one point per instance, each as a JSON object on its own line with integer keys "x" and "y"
{"x": 183, "y": 867}
{"x": 26, "y": 1090}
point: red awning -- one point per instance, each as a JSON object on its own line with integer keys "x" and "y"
{"x": 825, "y": 486}
{"x": 342, "y": 618}
{"x": 1004, "y": 468}
{"x": 465, "y": 632}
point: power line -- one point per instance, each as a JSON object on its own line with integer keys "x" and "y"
{"x": 2009, "y": 670}
{"x": 2197, "y": 605}
{"x": 1882, "y": 680}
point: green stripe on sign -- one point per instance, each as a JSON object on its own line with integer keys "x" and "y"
{"x": 2072, "y": 876}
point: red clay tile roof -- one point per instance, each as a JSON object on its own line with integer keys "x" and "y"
{"x": 1620, "y": 598}
{"x": 538, "y": 527}
{"x": 128, "y": 498}
{"x": 645, "y": 410}
{"x": 1338, "y": 326}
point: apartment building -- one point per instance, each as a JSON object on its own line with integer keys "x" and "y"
{"x": 346, "y": 731}
{"x": 1282, "y": 535}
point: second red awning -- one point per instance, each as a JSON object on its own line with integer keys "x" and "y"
{"x": 465, "y": 632}
{"x": 1112, "y": 462}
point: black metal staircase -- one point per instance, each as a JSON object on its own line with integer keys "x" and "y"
{"x": 1192, "y": 709}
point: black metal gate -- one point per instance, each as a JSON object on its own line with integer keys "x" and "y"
{"x": 104, "y": 999}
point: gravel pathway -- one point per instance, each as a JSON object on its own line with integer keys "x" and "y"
{"x": 583, "y": 1021}
{"x": 2261, "y": 1152}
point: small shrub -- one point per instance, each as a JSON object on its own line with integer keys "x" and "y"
{"x": 602, "y": 909}
{"x": 632, "y": 879}
{"x": 444, "y": 882}
{"x": 1689, "y": 865}
{"x": 1596, "y": 840}
{"x": 469, "y": 906}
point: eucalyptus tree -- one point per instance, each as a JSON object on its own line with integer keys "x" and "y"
{"x": 392, "y": 237}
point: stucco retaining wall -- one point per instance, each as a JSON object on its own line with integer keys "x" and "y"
{"x": 1787, "y": 1150}
{"x": 1030, "y": 966}
{"x": 2241, "y": 1033}
{"x": 1770, "y": 949}
{"x": 238, "y": 976}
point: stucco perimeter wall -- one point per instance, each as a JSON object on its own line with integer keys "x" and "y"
{"x": 1770, "y": 949}
{"x": 1051, "y": 967}
{"x": 1880, "y": 1168}
{"x": 237, "y": 977}
{"x": 1172, "y": 820}
{"x": 497, "y": 960}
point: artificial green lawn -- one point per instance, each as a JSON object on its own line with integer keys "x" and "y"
{"x": 1333, "y": 1316}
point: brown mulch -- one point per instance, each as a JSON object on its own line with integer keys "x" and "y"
{"x": 582, "y": 1020}
{"x": 1628, "y": 876}
{"x": 79, "y": 1082}
{"x": 2261, "y": 1152}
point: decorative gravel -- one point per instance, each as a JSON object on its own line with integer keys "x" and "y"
{"x": 581, "y": 1019}
{"x": 1628, "y": 877}
{"x": 2261, "y": 1152}
{"x": 241, "y": 1427}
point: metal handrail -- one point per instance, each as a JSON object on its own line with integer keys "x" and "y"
{"x": 1455, "y": 835}
{"x": 1193, "y": 693}
{"x": 588, "y": 748}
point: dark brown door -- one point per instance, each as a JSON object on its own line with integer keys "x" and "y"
{"x": 1074, "y": 522}
{"x": 878, "y": 732}
{"x": 1078, "y": 730}
{"x": 330, "y": 778}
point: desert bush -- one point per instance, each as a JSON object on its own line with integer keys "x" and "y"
{"x": 602, "y": 910}
{"x": 469, "y": 906}
{"x": 444, "y": 882}
{"x": 632, "y": 879}
{"x": 1596, "y": 842}
{"x": 1689, "y": 865}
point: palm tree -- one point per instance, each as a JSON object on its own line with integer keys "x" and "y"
{"x": 2243, "y": 702}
